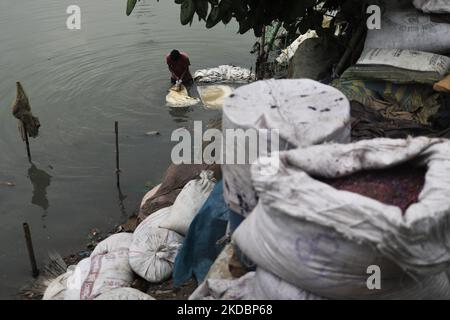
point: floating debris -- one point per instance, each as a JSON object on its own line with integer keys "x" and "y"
{"x": 7, "y": 184}
{"x": 153, "y": 133}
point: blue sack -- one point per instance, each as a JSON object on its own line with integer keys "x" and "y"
{"x": 200, "y": 248}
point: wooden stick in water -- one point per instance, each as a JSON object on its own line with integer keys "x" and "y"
{"x": 116, "y": 125}
{"x": 27, "y": 142}
{"x": 34, "y": 269}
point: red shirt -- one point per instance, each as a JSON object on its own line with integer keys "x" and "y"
{"x": 180, "y": 66}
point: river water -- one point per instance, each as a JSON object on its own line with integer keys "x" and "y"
{"x": 79, "y": 82}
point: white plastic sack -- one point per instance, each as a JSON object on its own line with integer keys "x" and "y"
{"x": 108, "y": 267}
{"x": 407, "y": 28}
{"x": 304, "y": 112}
{"x": 116, "y": 242}
{"x": 124, "y": 294}
{"x": 149, "y": 194}
{"x": 224, "y": 73}
{"x": 225, "y": 289}
{"x": 213, "y": 97}
{"x": 188, "y": 203}
{"x": 406, "y": 59}
{"x": 153, "y": 249}
{"x": 267, "y": 286}
{"x": 287, "y": 54}
{"x": 323, "y": 240}
{"x": 76, "y": 279}
{"x": 433, "y": 6}
{"x": 57, "y": 288}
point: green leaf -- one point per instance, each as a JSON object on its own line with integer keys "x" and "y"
{"x": 227, "y": 16}
{"x": 225, "y": 6}
{"x": 187, "y": 12}
{"x": 130, "y": 6}
{"x": 202, "y": 8}
{"x": 213, "y": 18}
{"x": 244, "y": 26}
{"x": 240, "y": 9}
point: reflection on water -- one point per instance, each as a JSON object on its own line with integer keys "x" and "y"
{"x": 79, "y": 83}
{"x": 41, "y": 181}
{"x": 122, "y": 197}
{"x": 180, "y": 115}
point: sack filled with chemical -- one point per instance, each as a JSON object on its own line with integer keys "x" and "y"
{"x": 188, "y": 203}
{"x": 153, "y": 249}
{"x": 175, "y": 178}
{"x": 399, "y": 67}
{"x": 367, "y": 220}
{"x": 405, "y": 27}
{"x": 277, "y": 115}
{"x": 107, "y": 268}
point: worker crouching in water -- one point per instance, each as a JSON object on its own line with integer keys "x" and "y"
{"x": 179, "y": 63}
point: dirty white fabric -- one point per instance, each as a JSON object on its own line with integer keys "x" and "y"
{"x": 224, "y": 73}
{"x": 323, "y": 240}
{"x": 433, "y": 6}
{"x": 304, "y": 111}
{"x": 57, "y": 288}
{"x": 76, "y": 279}
{"x": 287, "y": 54}
{"x": 407, "y": 28}
{"x": 259, "y": 285}
{"x": 188, "y": 203}
{"x": 124, "y": 294}
{"x": 213, "y": 97}
{"x": 108, "y": 268}
{"x": 68, "y": 285}
{"x": 267, "y": 286}
{"x": 179, "y": 98}
{"x": 225, "y": 289}
{"x": 117, "y": 241}
{"x": 153, "y": 249}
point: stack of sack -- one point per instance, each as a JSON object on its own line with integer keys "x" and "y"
{"x": 283, "y": 114}
{"x": 403, "y": 72}
{"x": 334, "y": 211}
{"x": 304, "y": 112}
{"x": 175, "y": 179}
{"x": 158, "y": 238}
{"x": 148, "y": 253}
{"x": 106, "y": 274}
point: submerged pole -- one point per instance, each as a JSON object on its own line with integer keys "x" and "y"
{"x": 34, "y": 268}
{"x": 119, "y": 189}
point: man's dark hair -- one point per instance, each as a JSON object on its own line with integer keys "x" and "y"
{"x": 175, "y": 55}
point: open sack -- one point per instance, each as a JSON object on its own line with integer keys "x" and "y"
{"x": 323, "y": 240}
